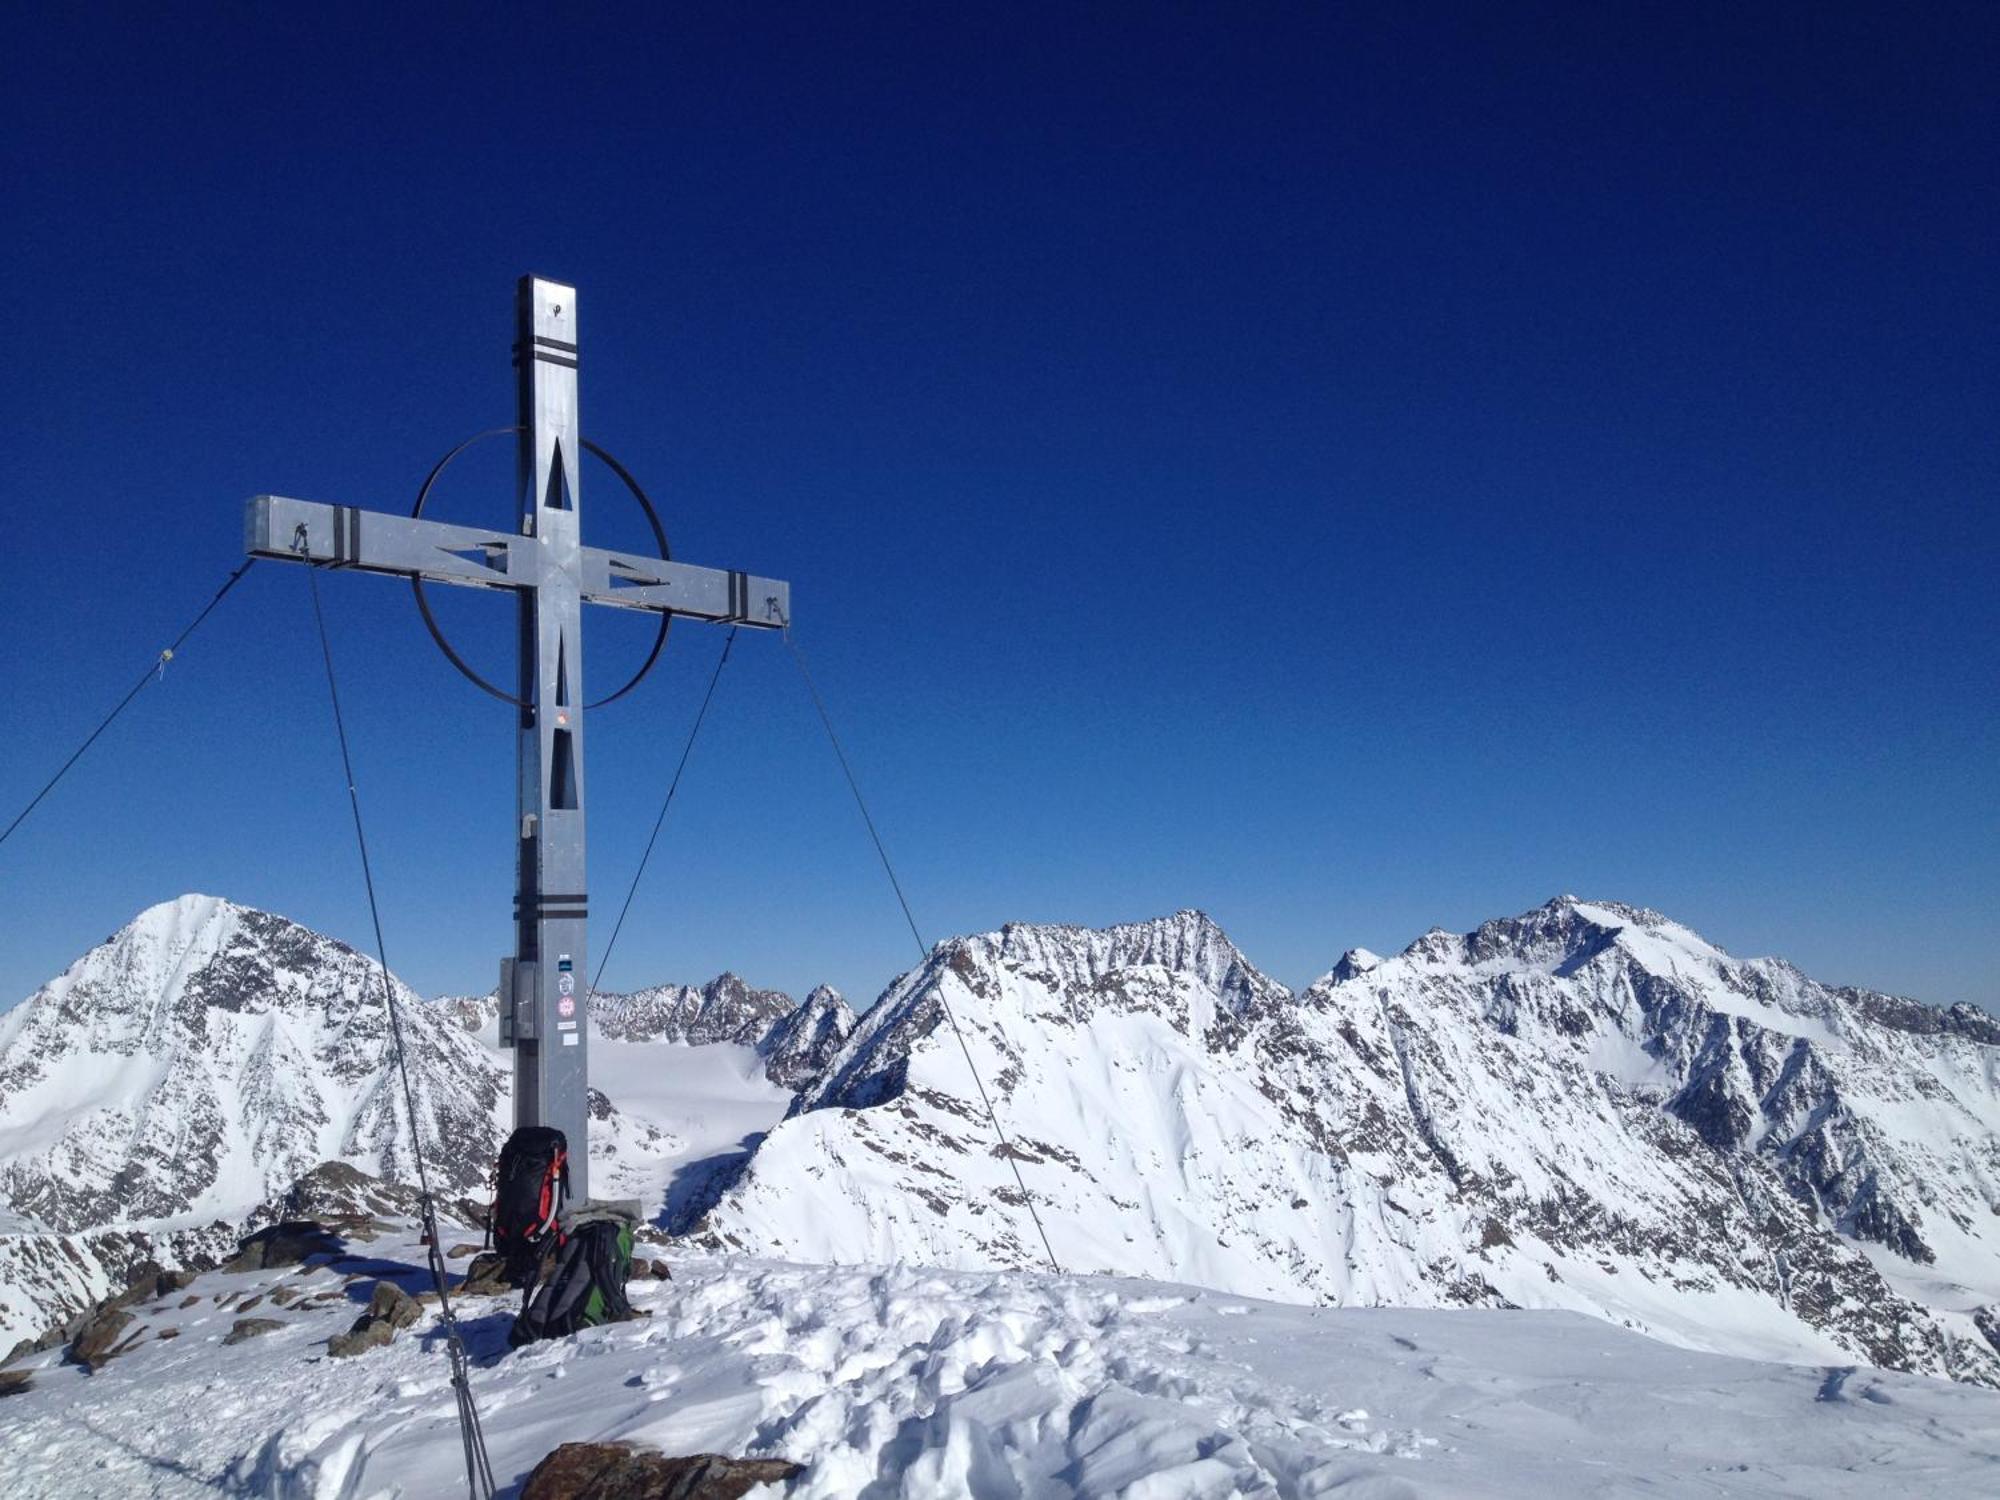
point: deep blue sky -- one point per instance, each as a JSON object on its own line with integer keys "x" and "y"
{"x": 1347, "y": 468}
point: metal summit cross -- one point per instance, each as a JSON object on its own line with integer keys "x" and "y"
{"x": 553, "y": 574}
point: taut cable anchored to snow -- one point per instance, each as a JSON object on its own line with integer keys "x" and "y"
{"x": 672, "y": 787}
{"x": 923, "y": 948}
{"x": 478, "y": 1469}
{"x": 154, "y": 669}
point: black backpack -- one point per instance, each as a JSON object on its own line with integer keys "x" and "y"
{"x": 587, "y": 1286}
{"x": 530, "y": 1187}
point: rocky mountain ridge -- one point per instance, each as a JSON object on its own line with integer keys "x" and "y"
{"x": 792, "y": 1037}
{"x": 1586, "y": 1106}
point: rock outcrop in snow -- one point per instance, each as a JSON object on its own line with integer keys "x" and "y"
{"x": 1584, "y": 1107}
{"x": 800, "y": 1043}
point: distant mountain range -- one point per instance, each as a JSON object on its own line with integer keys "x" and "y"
{"x": 1586, "y": 1106}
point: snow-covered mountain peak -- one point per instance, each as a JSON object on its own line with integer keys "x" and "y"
{"x": 1356, "y": 961}
{"x": 1566, "y": 932}
{"x": 1189, "y": 943}
{"x": 1584, "y": 1106}
{"x": 1559, "y": 937}
{"x": 1437, "y": 946}
{"x": 1017, "y": 982}
{"x": 173, "y": 967}
{"x": 205, "y": 1055}
{"x": 798, "y": 1045}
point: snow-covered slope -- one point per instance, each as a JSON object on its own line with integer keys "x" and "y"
{"x": 927, "y": 1385}
{"x": 192, "y": 1067}
{"x": 1586, "y": 1107}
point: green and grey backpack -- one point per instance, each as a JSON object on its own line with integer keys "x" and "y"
{"x": 586, "y": 1286}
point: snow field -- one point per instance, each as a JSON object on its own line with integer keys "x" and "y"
{"x": 929, "y": 1385}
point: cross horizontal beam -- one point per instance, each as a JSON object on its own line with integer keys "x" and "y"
{"x": 632, "y": 580}
{"x": 344, "y": 536}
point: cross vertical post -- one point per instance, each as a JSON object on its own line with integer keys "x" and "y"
{"x": 551, "y": 1039}
{"x": 544, "y": 984}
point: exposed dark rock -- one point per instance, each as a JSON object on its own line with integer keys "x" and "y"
{"x": 16, "y": 1383}
{"x": 1987, "y": 1321}
{"x": 290, "y": 1242}
{"x": 335, "y": 1190}
{"x": 486, "y": 1276}
{"x": 99, "y": 1340}
{"x": 250, "y": 1328}
{"x": 143, "y": 1286}
{"x": 367, "y": 1333}
{"x": 798, "y": 1045}
{"x": 723, "y": 1010}
{"x": 619, "y": 1471}
{"x": 394, "y": 1306}
{"x": 389, "y": 1308}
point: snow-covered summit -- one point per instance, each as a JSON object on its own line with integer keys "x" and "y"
{"x": 1182, "y": 967}
{"x": 1188, "y": 942}
{"x": 799, "y": 1044}
{"x": 207, "y": 1054}
{"x": 1356, "y": 961}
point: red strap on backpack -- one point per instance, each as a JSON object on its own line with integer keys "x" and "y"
{"x": 549, "y": 1210}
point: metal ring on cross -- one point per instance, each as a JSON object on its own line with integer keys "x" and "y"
{"x": 437, "y": 633}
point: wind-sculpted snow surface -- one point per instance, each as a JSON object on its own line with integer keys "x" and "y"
{"x": 1586, "y": 1107}
{"x": 912, "y": 1384}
